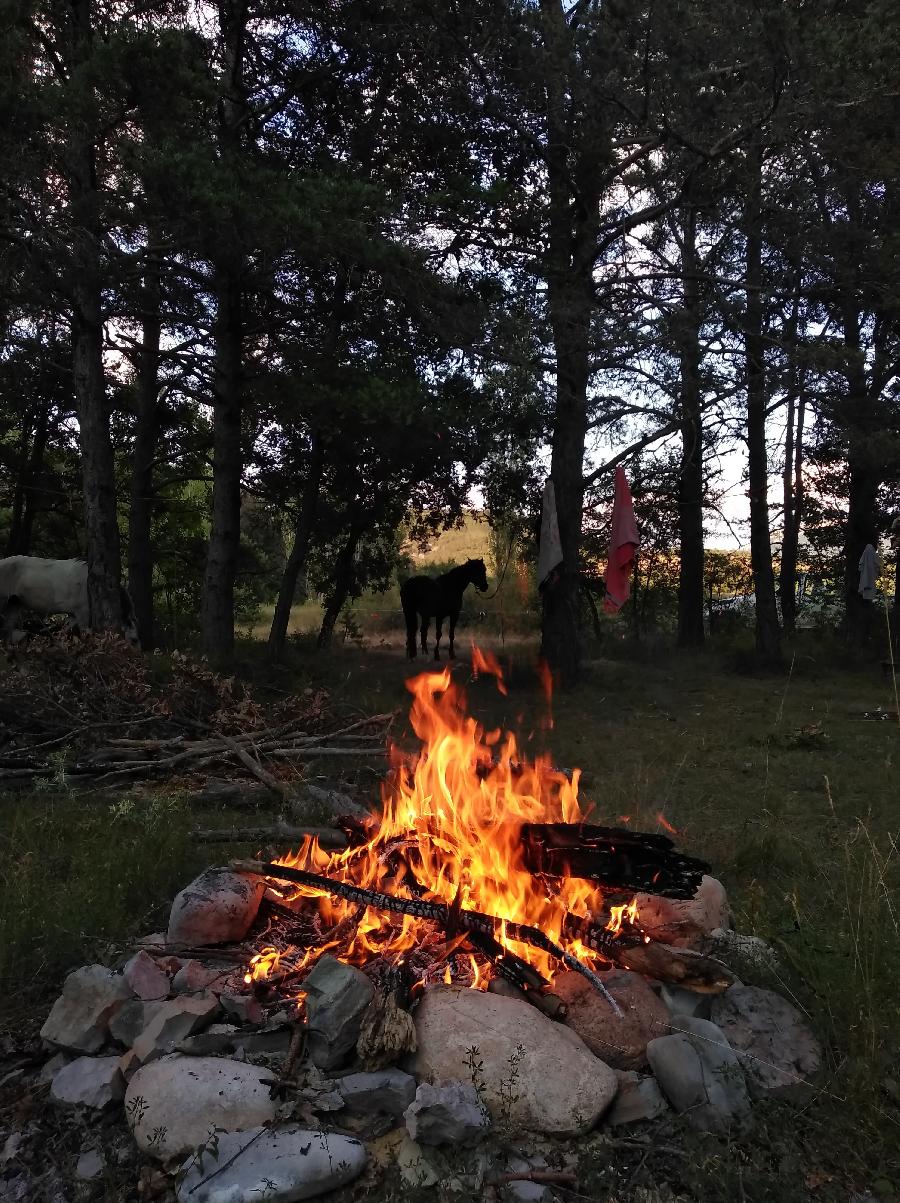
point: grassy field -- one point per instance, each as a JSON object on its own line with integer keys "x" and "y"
{"x": 776, "y": 780}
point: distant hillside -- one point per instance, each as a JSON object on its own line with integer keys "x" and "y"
{"x": 470, "y": 542}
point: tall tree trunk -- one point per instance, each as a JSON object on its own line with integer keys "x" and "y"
{"x": 97, "y": 461}
{"x": 36, "y": 428}
{"x": 768, "y": 634}
{"x": 690, "y": 480}
{"x": 146, "y": 440}
{"x": 569, "y": 268}
{"x": 793, "y": 507}
{"x": 344, "y": 574}
{"x": 224, "y": 536}
{"x": 299, "y": 551}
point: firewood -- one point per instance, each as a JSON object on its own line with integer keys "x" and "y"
{"x": 387, "y": 1031}
{"x": 623, "y": 860}
{"x": 328, "y": 837}
{"x": 678, "y": 966}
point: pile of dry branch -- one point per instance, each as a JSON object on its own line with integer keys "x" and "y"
{"x": 92, "y": 710}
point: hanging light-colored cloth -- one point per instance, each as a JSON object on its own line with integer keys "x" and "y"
{"x": 550, "y": 556}
{"x": 623, "y": 545}
{"x": 869, "y": 572}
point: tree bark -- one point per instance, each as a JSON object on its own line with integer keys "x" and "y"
{"x": 569, "y": 268}
{"x": 768, "y": 634}
{"x": 224, "y": 537}
{"x": 343, "y": 583}
{"x": 793, "y": 508}
{"x": 36, "y": 427}
{"x": 146, "y": 440}
{"x": 97, "y": 462}
{"x": 690, "y": 480}
{"x": 299, "y": 551}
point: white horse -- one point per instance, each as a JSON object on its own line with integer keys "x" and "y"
{"x": 53, "y": 587}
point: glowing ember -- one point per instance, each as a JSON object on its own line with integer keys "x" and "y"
{"x": 450, "y": 832}
{"x": 262, "y": 966}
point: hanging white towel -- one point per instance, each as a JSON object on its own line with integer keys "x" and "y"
{"x": 550, "y": 554}
{"x": 869, "y": 571}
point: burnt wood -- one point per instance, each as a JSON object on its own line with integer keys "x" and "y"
{"x": 621, "y": 860}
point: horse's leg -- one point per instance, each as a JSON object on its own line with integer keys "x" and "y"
{"x": 438, "y": 625}
{"x": 424, "y": 635}
{"x": 454, "y": 614}
{"x": 412, "y": 621}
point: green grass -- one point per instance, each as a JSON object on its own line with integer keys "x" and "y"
{"x": 795, "y": 802}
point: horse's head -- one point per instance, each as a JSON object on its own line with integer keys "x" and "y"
{"x": 478, "y": 574}
{"x": 129, "y": 618}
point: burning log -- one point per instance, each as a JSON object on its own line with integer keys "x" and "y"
{"x": 453, "y": 917}
{"x": 630, "y": 948}
{"x": 623, "y": 860}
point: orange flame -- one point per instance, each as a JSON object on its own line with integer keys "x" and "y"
{"x": 452, "y": 814}
{"x": 262, "y": 966}
{"x": 664, "y": 822}
{"x": 545, "y": 677}
{"x": 486, "y": 662}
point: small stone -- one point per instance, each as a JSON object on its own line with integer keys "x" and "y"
{"x": 280, "y": 1165}
{"x": 776, "y": 1048}
{"x": 639, "y": 1099}
{"x": 337, "y": 997}
{"x": 145, "y": 977}
{"x": 172, "y": 1104}
{"x": 173, "y": 1021}
{"x": 217, "y": 907}
{"x": 242, "y": 1007}
{"x": 194, "y": 977}
{"x": 685, "y": 923}
{"x": 79, "y": 1019}
{"x": 685, "y": 1002}
{"x": 447, "y": 1114}
{"x": 528, "y": 1192}
{"x": 90, "y": 1165}
{"x": 89, "y": 1082}
{"x": 418, "y": 1168}
{"x": 620, "y": 1041}
{"x": 700, "y": 1074}
{"x": 532, "y": 1074}
{"x": 128, "y": 1022}
{"x": 387, "y": 1092}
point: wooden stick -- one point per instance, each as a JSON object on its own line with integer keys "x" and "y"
{"x": 255, "y": 767}
{"x": 328, "y": 837}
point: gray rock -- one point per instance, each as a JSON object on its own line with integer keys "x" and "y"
{"x": 447, "y": 1114}
{"x": 739, "y": 951}
{"x": 52, "y": 1067}
{"x": 685, "y": 1002}
{"x": 639, "y": 1099}
{"x": 173, "y": 1104}
{"x": 533, "y": 1074}
{"x": 145, "y": 977}
{"x": 528, "y": 1192}
{"x": 173, "y": 1021}
{"x": 89, "y": 1082}
{"x": 337, "y": 997}
{"x": 387, "y": 1092}
{"x": 242, "y": 1007}
{"x": 280, "y": 1165}
{"x": 131, "y": 1019}
{"x": 194, "y": 977}
{"x": 90, "y": 1165}
{"x": 79, "y": 1019}
{"x": 700, "y": 1074}
{"x": 777, "y": 1050}
{"x": 218, "y": 906}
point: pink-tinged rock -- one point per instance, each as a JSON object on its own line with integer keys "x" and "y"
{"x": 243, "y": 1007}
{"x": 79, "y": 1019}
{"x": 685, "y": 923}
{"x": 171, "y": 1023}
{"x": 173, "y": 1104}
{"x": 194, "y": 977}
{"x": 89, "y": 1082}
{"x": 217, "y": 907}
{"x": 619, "y": 1041}
{"x": 145, "y": 977}
{"x": 531, "y": 1073}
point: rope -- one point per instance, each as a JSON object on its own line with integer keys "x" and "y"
{"x": 512, "y": 543}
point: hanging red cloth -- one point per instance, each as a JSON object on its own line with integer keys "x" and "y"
{"x": 623, "y": 545}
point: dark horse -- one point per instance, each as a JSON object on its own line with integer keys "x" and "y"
{"x": 438, "y": 598}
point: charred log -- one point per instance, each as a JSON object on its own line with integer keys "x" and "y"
{"x": 623, "y": 860}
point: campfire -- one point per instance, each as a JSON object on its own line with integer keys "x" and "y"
{"x": 482, "y": 865}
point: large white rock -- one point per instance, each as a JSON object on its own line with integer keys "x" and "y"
{"x": 279, "y": 1165}
{"x": 532, "y": 1073}
{"x": 79, "y": 1019}
{"x": 173, "y": 1104}
{"x": 218, "y": 906}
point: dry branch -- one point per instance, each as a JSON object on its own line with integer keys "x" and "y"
{"x": 328, "y": 837}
